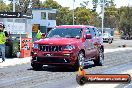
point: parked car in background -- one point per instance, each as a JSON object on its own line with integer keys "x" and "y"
{"x": 68, "y": 46}
{"x": 107, "y": 38}
{"x": 126, "y": 37}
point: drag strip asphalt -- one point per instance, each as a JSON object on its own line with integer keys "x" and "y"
{"x": 22, "y": 76}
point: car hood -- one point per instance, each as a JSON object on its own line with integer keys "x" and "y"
{"x": 58, "y": 41}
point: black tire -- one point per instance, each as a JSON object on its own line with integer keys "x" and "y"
{"x": 77, "y": 64}
{"x": 36, "y": 66}
{"x": 81, "y": 80}
{"x": 109, "y": 41}
{"x": 100, "y": 59}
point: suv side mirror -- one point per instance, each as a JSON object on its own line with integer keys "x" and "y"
{"x": 43, "y": 35}
{"x": 88, "y": 36}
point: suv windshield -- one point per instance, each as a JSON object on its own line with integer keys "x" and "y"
{"x": 106, "y": 34}
{"x": 65, "y": 32}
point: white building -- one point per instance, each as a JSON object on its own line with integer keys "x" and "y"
{"x": 17, "y": 23}
{"x": 45, "y": 17}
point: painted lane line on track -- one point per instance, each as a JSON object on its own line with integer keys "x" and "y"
{"x": 117, "y": 49}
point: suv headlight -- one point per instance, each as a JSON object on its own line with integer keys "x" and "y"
{"x": 35, "y": 46}
{"x": 69, "y": 47}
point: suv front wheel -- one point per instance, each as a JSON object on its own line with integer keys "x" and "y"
{"x": 80, "y": 61}
{"x": 36, "y": 66}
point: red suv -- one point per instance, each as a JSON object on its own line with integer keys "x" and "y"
{"x": 68, "y": 45}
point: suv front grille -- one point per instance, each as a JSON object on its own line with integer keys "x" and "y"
{"x": 49, "y": 48}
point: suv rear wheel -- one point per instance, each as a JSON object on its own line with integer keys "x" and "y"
{"x": 80, "y": 61}
{"x": 100, "y": 59}
{"x": 110, "y": 41}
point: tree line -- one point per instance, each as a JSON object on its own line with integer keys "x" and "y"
{"x": 119, "y": 18}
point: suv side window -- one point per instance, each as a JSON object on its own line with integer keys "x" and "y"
{"x": 87, "y": 31}
{"x": 92, "y": 31}
{"x": 96, "y": 32}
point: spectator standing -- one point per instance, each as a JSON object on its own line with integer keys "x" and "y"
{"x": 39, "y": 35}
{"x": 2, "y": 42}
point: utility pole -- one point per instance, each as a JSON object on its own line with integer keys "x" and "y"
{"x": 13, "y": 11}
{"x": 14, "y": 2}
{"x": 73, "y": 18}
{"x": 103, "y": 16}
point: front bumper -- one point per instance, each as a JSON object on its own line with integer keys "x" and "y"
{"x": 60, "y": 58}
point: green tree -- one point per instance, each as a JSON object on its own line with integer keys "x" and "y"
{"x": 4, "y": 7}
{"x": 51, "y": 4}
{"x": 82, "y": 19}
{"x": 83, "y": 16}
{"x": 111, "y": 17}
{"x": 36, "y": 4}
{"x": 64, "y": 16}
{"x": 22, "y": 6}
{"x": 95, "y": 19}
{"x": 125, "y": 23}
{"x": 92, "y": 17}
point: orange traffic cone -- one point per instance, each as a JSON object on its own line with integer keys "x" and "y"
{"x": 80, "y": 77}
{"x": 81, "y": 71}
